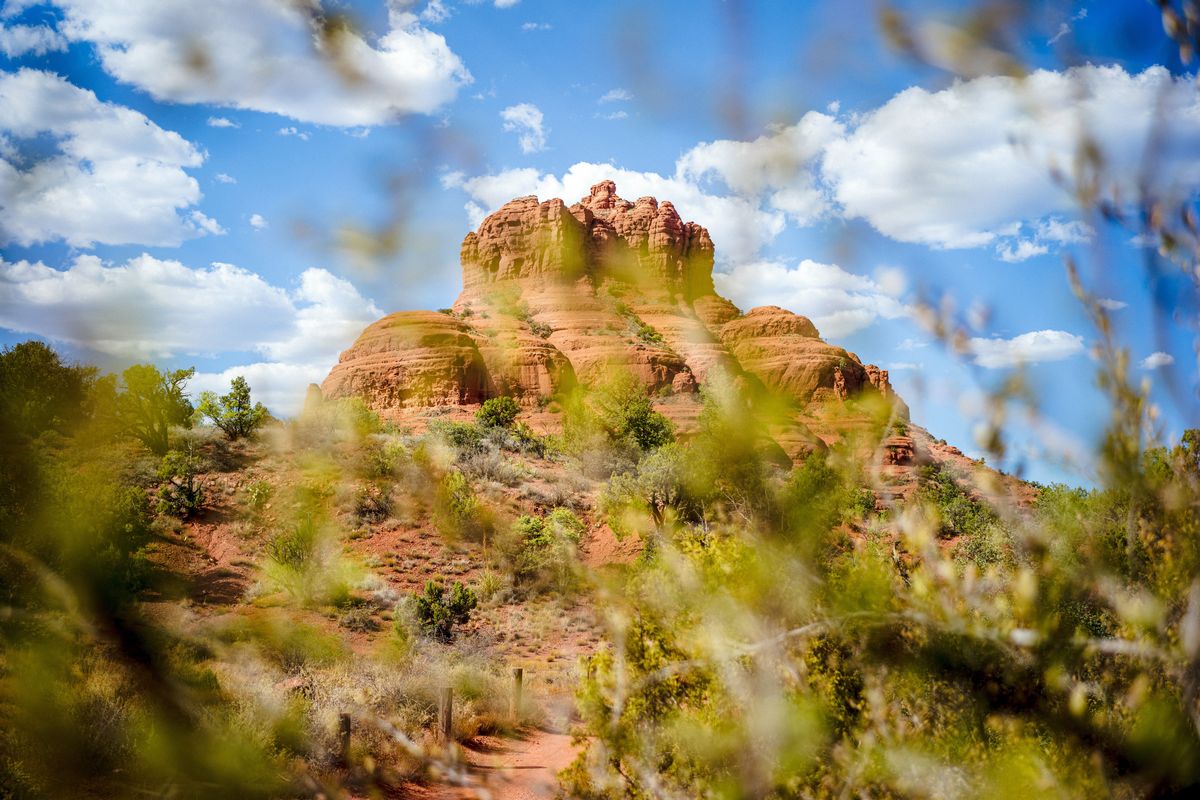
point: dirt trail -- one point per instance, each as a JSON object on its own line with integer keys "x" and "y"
{"x": 521, "y": 768}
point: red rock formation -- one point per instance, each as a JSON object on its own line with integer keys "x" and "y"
{"x": 411, "y": 358}
{"x": 553, "y": 294}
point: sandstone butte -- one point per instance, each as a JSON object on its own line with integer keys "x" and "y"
{"x": 556, "y": 295}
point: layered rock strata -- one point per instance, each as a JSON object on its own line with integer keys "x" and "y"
{"x": 555, "y": 294}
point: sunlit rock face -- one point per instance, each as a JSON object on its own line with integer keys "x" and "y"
{"x": 555, "y": 295}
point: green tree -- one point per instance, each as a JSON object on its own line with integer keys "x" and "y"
{"x": 498, "y": 412}
{"x": 151, "y": 403}
{"x": 38, "y": 392}
{"x": 627, "y": 415}
{"x": 233, "y": 413}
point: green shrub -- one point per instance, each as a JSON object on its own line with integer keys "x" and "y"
{"x": 498, "y": 412}
{"x": 457, "y": 511}
{"x": 462, "y": 436}
{"x": 372, "y": 503}
{"x": 383, "y": 459}
{"x": 258, "y": 494}
{"x": 541, "y": 550}
{"x": 438, "y": 611}
{"x": 181, "y": 493}
{"x": 958, "y": 513}
{"x": 294, "y": 548}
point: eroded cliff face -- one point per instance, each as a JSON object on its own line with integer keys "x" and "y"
{"x": 554, "y": 295}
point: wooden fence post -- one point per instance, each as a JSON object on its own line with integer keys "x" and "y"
{"x": 344, "y": 739}
{"x": 514, "y": 709}
{"x": 446, "y": 714}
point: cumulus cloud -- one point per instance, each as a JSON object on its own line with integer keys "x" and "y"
{"x": 222, "y": 122}
{"x": 506, "y": 3}
{"x": 779, "y": 168}
{"x": 536, "y": 26}
{"x": 1034, "y": 347}
{"x": 1157, "y": 360}
{"x": 1109, "y": 304}
{"x": 221, "y": 177}
{"x": 149, "y": 308}
{"x": 258, "y": 222}
{"x": 37, "y": 40}
{"x": 738, "y": 226}
{"x": 268, "y": 55}
{"x": 291, "y": 130}
{"x": 114, "y": 177}
{"x": 838, "y": 302}
{"x": 970, "y": 165}
{"x": 525, "y": 119}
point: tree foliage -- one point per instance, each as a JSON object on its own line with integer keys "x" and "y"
{"x": 151, "y": 402}
{"x": 233, "y": 413}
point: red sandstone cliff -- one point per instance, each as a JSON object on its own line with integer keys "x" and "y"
{"x": 554, "y": 294}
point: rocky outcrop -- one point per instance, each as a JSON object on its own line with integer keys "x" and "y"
{"x": 555, "y": 294}
{"x": 411, "y": 358}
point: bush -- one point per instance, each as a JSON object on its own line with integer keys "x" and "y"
{"x": 626, "y": 413}
{"x": 542, "y": 549}
{"x": 462, "y": 436}
{"x": 258, "y": 494}
{"x": 959, "y": 514}
{"x": 372, "y": 503}
{"x": 181, "y": 494}
{"x": 498, "y": 412}
{"x": 457, "y": 511}
{"x": 438, "y": 612}
{"x": 295, "y": 547}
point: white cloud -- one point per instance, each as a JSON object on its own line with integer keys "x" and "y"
{"x": 525, "y": 119}
{"x": 268, "y": 55}
{"x": 206, "y": 223}
{"x": 1029, "y": 348}
{"x": 114, "y": 178}
{"x": 616, "y": 96}
{"x": 20, "y": 40}
{"x": 1064, "y": 28}
{"x": 294, "y": 131}
{"x": 258, "y": 221}
{"x": 536, "y": 26}
{"x": 901, "y": 366}
{"x": 436, "y": 12}
{"x": 838, "y": 302}
{"x": 221, "y": 177}
{"x": 615, "y": 115}
{"x": 969, "y": 166}
{"x": 740, "y": 229}
{"x": 779, "y": 168}
{"x": 280, "y": 387}
{"x": 506, "y": 3}
{"x": 1021, "y": 250}
{"x": 1109, "y": 304}
{"x": 150, "y": 308}
{"x": 1158, "y": 359}
{"x": 222, "y": 122}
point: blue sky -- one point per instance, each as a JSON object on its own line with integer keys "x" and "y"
{"x": 190, "y": 183}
